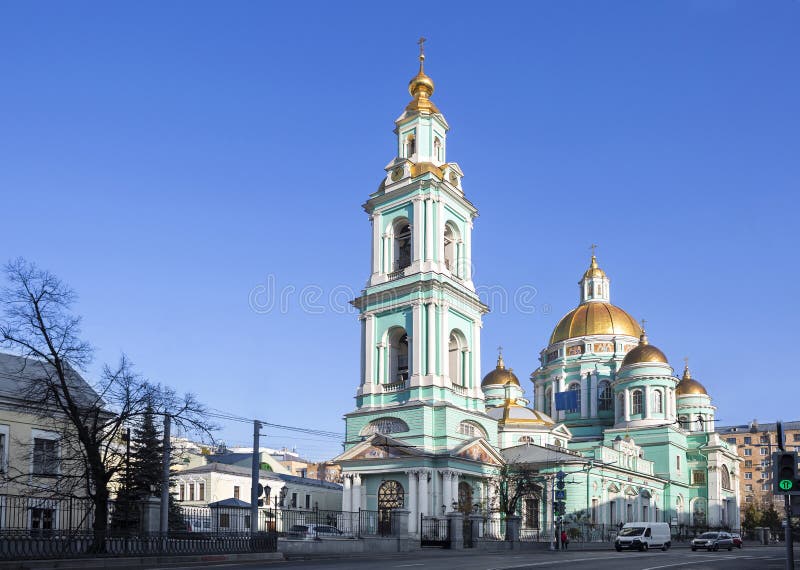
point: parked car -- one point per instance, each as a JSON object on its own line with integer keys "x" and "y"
{"x": 713, "y": 541}
{"x": 643, "y": 536}
{"x": 737, "y": 540}
{"x": 309, "y": 531}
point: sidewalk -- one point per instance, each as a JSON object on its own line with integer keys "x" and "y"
{"x": 141, "y": 562}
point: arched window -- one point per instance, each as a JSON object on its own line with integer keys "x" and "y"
{"x": 604, "y": 396}
{"x": 398, "y": 355}
{"x": 391, "y": 495}
{"x": 725, "y": 478}
{"x": 451, "y": 237}
{"x": 465, "y": 497}
{"x": 385, "y": 426}
{"x": 471, "y": 429}
{"x": 526, "y": 439}
{"x": 636, "y": 404}
{"x": 402, "y": 245}
{"x": 658, "y": 402}
{"x": 457, "y": 358}
{"x": 547, "y": 405}
{"x": 679, "y": 508}
{"x": 411, "y": 146}
{"x": 575, "y": 387}
{"x": 621, "y": 406}
{"x": 437, "y": 149}
{"x": 683, "y": 421}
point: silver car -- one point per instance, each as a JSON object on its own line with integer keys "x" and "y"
{"x": 713, "y": 541}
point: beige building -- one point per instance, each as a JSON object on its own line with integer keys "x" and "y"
{"x": 755, "y": 444}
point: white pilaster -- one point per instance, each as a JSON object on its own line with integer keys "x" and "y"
{"x": 356, "y": 492}
{"x": 429, "y": 229}
{"x": 347, "y": 497}
{"x": 377, "y": 244}
{"x": 453, "y": 487}
{"x": 423, "y": 493}
{"x": 416, "y": 341}
{"x": 447, "y": 490}
{"x": 476, "y": 356}
{"x": 381, "y": 364}
{"x": 412, "y": 501}
{"x": 369, "y": 351}
{"x": 417, "y": 231}
{"x": 593, "y": 395}
{"x": 626, "y": 411}
{"x": 439, "y": 235}
{"x": 431, "y": 338}
{"x": 647, "y": 404}
{"x": 584, "y": 396}
{"x": 444, "y": 340}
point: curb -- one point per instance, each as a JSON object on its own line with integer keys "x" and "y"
{"x": 141, "y": 562}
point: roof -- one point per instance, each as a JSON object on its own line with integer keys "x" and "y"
{"x": 237, "y": 503}
{"x": 540, "y": 456}
{"x": 216, "y": 467}
{"x": 18, "y": 375}
{"x": 757, "y": 427}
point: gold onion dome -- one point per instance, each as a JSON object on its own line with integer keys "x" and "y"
{"x": 510, "y": 412}
{"x": 501, "y": 375}
{"x": 596, "y": 317}
{"x": 594, "y": 270}
{"x": 644, "y": 352}
{"x": 421, "y": 87}
{"x": 688, "y": 385}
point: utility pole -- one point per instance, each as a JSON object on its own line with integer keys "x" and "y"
{"x": 254, "y": 481}
{"x": 787, "y": 505}
{"x": 165, "y": 479}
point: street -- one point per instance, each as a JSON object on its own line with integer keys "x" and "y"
{"x": 762, "y": 558}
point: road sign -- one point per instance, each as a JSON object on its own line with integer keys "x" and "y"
{"x": 561, "y": 495}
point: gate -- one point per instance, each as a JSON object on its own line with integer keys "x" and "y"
{"x": 434, "y": 532}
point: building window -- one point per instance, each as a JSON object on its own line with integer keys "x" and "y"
{"x": 678, "y": 462}
{"x": 748, "y": 452}
{"x": 547, "y": 406}
{"x": 531, "y": 513}
{"x": 294, "y": 500}
{"x": 748, "y": 499}
{"x": 224, "y": 520}
{"x": 575, "y": 387}
{"x": 748, "y": 475}
{"x": 748, "y": 440}
{"x": 451, "y": 240}
{"x": 763, "y": 451}
{"x": 471, "y": 429}
{"x": 181, "y": 492}
{"x": 42, "y": 519}
{"x": 796, "y": 437}
{"x": 402, "y": 245}
{"x": 2, "y": 453}
{"x": 191, "y": 491}
{"x": 45, "y": 457}
{"x": 201, "y": 491}
{"x": 764, "y": 439}
{"x": 398, "y": 355}
{"x": 658, "y": 402}
{"x": 385, "y": 426}
{"x": 766, "y": 487}
{"x": 748, "y": 487}
{"x": 236, "y": 491}
{"x": 636, "y": 408}
{"x": 411, "y": 146}
{"x": 698, "y": 477}
{"x": 308, "y": 501}
{"x": 725, "y": 478}
{"x": 731, "y": 440}
{"x": 604, "y": 397}
{"x": 748, "y": 463}
{"x": 437, "y": 149}
{"x": 457, "y": 355}
{"x": 526, "y": 439}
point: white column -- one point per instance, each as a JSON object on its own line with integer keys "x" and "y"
{"x": 381, "y": 364}
{"x": 386, "y": 263}
{"x": 553, "y": 413}
{"x": 416, "y": 340}
{"x": 538, "y": 396}
{"x": 560, "y": 383}
{"x": 417, "y": 230}
{"x": 476, "y": 356}
{"x": 627, "y": 408}
{"x": 429, "y": 229}
{"x": 584, "y": 396}
{"x": 431, "y": 338}
{"x": 445, "y": 340}
{"x": 466, "y": 264}
{"x": 412, "y": 500}
{"x": 369, "y": 349}
{"x": 647, "y": 405}
{"x": 439, "y": 235}
{"x": 347, "y": 498}
{"x": 593, "y": 396}
{"x": 447, "y": 490}
{"x": 356, "y": 492}
{"x": 376, "y": 242}
{"x": 423, "y": 493}
{"x": 459, "y": 268}
{"x": 547, "y": 506}
{"x": 453, "y": 487}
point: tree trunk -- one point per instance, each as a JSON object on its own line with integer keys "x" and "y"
{"x": 100, "y": 522}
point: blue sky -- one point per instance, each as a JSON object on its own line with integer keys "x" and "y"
{"x": 165, "y": 159}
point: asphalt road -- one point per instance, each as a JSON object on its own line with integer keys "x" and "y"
{"x": 758, "y": 558}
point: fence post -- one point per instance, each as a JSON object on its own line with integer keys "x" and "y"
{"x": 476, "y": 520}
{"x": 512, "y": 530}
{"x": 455, "y": 523}
{"x": 151, "y": 515}
{"x": 399, "y": 523}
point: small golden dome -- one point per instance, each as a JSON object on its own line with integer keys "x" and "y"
{"x": 594, "y": 270}
{"x": 421, "y": 87}
{"x": 512, "y": 413}
{"x": 501, "y": 375}
{"x": 644, "y": 352}
{"x": 596, "y": 317}
{"x": 688, "y": 385}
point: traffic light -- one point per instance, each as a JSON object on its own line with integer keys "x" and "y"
{"x": 784, "y": 477}
{"x": 559, "y": 505}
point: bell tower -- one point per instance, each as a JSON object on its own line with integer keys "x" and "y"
{"x": 420, "y": 315}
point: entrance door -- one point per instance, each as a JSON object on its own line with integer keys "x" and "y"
{"x": 391, "y": 495}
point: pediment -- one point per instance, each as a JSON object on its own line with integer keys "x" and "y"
{"x": 378, "y": 446}
{"x": 479, "y": 450}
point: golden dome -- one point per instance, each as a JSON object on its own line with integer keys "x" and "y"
{"x": 594, "y": 270}
{"x": 595, "y": 317}
{"x": 501, "y": 375}
{"x": 688, "y": 385}
{"x": 512, "y": 413}
{"x": 421, "y": 87}
{"x": 644, "y": 352}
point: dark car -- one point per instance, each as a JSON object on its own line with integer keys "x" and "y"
{"x": 713, "y": 541}
{"x": 737, "y": 540}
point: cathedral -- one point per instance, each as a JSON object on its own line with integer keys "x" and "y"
{"x": 430, "y": 435}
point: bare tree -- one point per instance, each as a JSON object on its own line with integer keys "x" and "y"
{"x": 513, "y": 483}
{"x": 38, "y": 323}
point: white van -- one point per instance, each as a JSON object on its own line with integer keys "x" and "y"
{"x": 643, "y": 536}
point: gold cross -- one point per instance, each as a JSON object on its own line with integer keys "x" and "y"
{"x": 644, "y": 322}
{"x": 500, "y": 350}
{"x": 421, "y": 44}
{"x": 593, "y": 247}
{"x": 686, "y": 360}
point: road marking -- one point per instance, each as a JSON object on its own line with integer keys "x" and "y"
{"x": 689, "y": 563}
{"x": 407, "y": 565}
{"x": 529, "y": 564}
